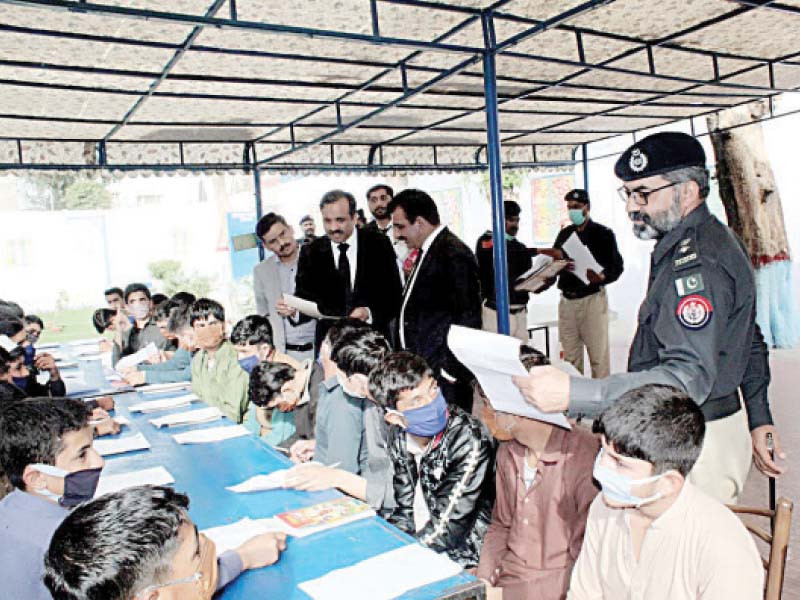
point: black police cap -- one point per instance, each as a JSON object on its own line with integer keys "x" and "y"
{"x": 577, "y": 195}
{"x": 511, "y": 208}
{"x": 660, "y": 153}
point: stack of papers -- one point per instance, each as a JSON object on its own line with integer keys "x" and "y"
{"x": 212, "y": 434}
{"x": 384, "y": 576}
{"x": 120, "y": 445}
{"x": 543, "y": 268}
{"x": 156, "y": 388}
{"x": 326, "y": 515}
{"x": 201, "y": 415}
{"x": 126, "y": 362}
{"x": 164, "y": 404}
{"x": 494, "y": 359}
{"x": 121, "y": 481}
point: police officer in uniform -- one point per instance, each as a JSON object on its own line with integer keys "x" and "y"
{"x": 696, "y": 325}
{"x": 519, "y": 260}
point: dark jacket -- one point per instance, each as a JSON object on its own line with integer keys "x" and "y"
{"x": 10, "y": 393}
{"x": 377, "y": 282}
{"x": 33, "y": 389}
{"x": 519, "y": 260}
{"x": 445, "y": 292}
{"x": 458, "y": 484}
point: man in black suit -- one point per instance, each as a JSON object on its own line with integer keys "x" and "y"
{"x": 349, "y": 271}
{"x": 442, "y": 290}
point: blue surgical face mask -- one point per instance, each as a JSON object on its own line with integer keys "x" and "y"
{"x": 617, "y": 488}
{"x": 428, "y": 420}
{"x": 576, "y": 216}
{"x": 21, "y": 383}
{"x": 249, "y": 363}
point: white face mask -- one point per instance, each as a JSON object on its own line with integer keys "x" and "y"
{"x": 140, "y": 311}
{"x": 617, "y": 488}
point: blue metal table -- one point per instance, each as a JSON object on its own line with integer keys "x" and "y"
{"x": 204, "y": 470}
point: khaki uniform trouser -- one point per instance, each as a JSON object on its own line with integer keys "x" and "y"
{"x": 518, "y": 323}
{"x": 584, "y": 322}
{"x": 724, "y": 462}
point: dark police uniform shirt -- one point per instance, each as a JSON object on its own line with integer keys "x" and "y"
{"x": 696, "y": 326}
{"x": 519, "y": 260}
{"x": 602, "y": 243}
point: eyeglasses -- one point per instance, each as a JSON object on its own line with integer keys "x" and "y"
{"x": 640, "y": 197}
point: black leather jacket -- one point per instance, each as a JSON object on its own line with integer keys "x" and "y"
{"x": 457, "y": 479}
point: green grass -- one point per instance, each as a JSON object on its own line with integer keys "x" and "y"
{"x": 67, "y": 325}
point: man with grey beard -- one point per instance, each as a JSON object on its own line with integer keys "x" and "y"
{"x": 696, "y": 326}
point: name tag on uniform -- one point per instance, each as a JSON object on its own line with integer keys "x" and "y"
{"x": 691, "y": 284}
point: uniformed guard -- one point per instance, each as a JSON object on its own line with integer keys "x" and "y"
{"x": 518, "y": 257}
{"x": 583, "y": 308}
{"x": 696, "y": 326}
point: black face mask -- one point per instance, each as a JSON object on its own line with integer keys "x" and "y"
{"x": 79, "y": 486}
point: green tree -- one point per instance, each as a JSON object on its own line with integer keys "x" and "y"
{"x": 85, "y": 194}
{"x": 173, "y": 279}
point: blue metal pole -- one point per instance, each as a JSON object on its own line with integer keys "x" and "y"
{"x": 585, "y": 163}
{"x": 495, "y": 176}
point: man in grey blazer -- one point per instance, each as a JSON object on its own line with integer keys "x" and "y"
{"x": 293, "y": 333}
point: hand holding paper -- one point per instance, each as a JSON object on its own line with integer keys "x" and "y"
{"x": 546, "y": 388}
{"x": 494, "y": 360}
{"x": 582, "y": 258}
{"x": 126, "y": 362}
{"x": 306, "y": 307}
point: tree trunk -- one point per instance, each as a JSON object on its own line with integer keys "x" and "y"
{"x": 752, "y": 203}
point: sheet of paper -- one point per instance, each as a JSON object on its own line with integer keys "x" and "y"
{"x": 201, "y": 415}
{"x": 121, "y": 481}
{"x": 120, "y": 445}
{"x": 384, "y": 576}
{"x": 228, "y": 537}
{"x": 121, "y": 420}
{"x": 157, "y": 388}
{"x": 212, "y": 434}
{"x": 258, "y": 483}
{"x": 584, "y": 260}
{"x": 126, "y": 362}
{"x": 306, "y": 307}
{"x": 494, "y": 359}
{"x": 164, "y": 403}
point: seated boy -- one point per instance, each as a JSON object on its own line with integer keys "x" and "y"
{"x": 252, "y": 337}
{"x": 652, "y": 534}
{"x": 18, "y": 381}
{"x": 46, "y": 452}
{"x": 139, "y": 543}
{"x": 131, "y": 337}
{"x": 350, "y": 429}
{"x": 442, "y": 458}
{"x": 544, "y": 489}
{"x": 179, "y": 366}
{"x": 217, "y": 377}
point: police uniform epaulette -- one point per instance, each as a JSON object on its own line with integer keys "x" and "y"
{"x": 686, "y": 254}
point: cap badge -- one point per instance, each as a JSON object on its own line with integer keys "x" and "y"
{"x": 638, "y": 161}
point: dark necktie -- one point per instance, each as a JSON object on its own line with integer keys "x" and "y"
{"x": 343, "y": 266}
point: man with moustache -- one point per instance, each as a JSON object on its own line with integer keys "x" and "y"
{"x": 293, "y": 333}
{"x": 349, "y": 272}
{"x": 696, "y": 325}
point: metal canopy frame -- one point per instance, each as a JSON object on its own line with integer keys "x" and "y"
{"x": 339, "y": 106}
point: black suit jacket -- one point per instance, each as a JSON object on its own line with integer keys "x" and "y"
{"x": 377, "y": 282}
{"x": 446, "y": 291}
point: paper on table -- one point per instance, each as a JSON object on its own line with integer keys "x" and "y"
{"x": 583, "y": 259}
{"x": 201, "y": 415}
{"x": 212, "y": 434}
{"x": 384, "y": 576}
{"x": 228, "y": 537}
{"x": 493, "y": 359}
{"x": 153, "y": 388}
{"x": 258, "y": 483}
{"x": 126, "y": 362}
{"x": 121, "y": 481}
{"x": 164, "y": 403}
{"x": 306, "y": 307}
{"x": 120, "y": 445}
{"x": 121, "y": 420}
